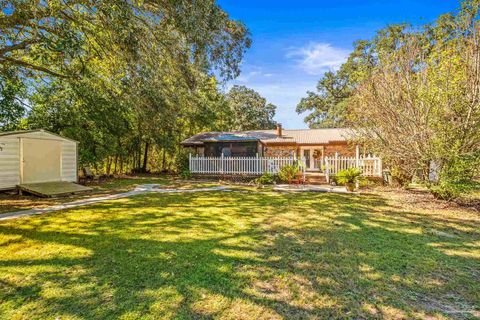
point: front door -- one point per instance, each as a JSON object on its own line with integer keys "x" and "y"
{"x": 313, "y": 158}
{"x": 306, "y": 155}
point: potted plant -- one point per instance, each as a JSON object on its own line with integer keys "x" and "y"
{"x": 349, "y": 177}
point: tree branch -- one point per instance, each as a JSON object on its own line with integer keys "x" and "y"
{"x": 17, "y": 46}
{"x": 31, "y": 66}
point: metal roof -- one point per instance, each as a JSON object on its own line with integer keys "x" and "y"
{"x": 20, "y": 132}
{"x": 300, "y": 136}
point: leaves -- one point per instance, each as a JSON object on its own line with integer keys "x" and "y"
{"x": 249, "y": 110}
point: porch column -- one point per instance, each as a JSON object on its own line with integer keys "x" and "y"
{"x": 357, "y": 155}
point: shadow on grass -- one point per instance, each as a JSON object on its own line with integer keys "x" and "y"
{"x": 240, "y": 255}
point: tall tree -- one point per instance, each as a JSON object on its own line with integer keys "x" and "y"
{"x": 249, "y": 110}
{"x": 420, "y": 103}
{"x": 327, "y": 107}
{"x": 126, "y": 79}
{"x": 12, "y": 99}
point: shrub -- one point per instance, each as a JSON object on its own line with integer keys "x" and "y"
{"x": 287, "y": 173}
{"x": 181, "y": 161}
{"x": 348, "y": 176}
{"x": 185, "y": 174}
{"x": 266, "y": 178}
{"x": 457, "y": 177}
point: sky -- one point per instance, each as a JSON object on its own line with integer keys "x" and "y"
{"x": 295, "y": 42}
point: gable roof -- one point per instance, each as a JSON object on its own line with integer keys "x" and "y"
{"x": 22, "y": 132}
{"x": 299, "y": 136}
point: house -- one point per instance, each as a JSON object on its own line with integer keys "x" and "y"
{"x": 314, "y": 145}
{"x": 36, "y": 156}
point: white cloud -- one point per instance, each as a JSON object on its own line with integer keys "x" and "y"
{"x": 248, "y": 76}
{"x": 316, "y": 58}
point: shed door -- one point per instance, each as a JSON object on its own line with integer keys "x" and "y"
{"x": 41, "y": 160}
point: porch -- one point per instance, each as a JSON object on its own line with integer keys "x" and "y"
{"x": 313, "y": 170}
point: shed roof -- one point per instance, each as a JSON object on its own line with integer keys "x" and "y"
{"x": 299, "y": 136}
{"x": 21, "y": 132}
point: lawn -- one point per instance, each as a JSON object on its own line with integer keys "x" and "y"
{"x": 12, "y": 202}
{"x": 243, "y": 255}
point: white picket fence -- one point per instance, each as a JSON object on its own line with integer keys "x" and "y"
{"x": 238, "y": 165}
{"x": 370, "y": 166}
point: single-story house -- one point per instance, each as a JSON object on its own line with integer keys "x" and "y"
{"x": 36, "y": 156}
{"x": 311, "y": 144}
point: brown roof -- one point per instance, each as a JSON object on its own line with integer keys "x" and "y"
{"x": 300, "y": 136}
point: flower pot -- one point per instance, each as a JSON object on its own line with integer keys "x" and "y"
{"x": 350, "y": 186}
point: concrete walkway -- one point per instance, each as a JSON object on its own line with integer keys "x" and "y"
{"x": 141, "y": 189}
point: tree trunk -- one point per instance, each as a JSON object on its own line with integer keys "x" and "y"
{"x": 164, "y": 159}
{"x": 109, "y": 165}
{"x": 115, "y": 162}
{"x": 145, "y": 158}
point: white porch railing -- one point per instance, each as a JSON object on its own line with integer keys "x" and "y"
{"x": 238, "y": 165}
{"x": 370, "y": 166}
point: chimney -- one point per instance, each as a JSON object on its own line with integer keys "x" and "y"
{"x": 279, "y": 129}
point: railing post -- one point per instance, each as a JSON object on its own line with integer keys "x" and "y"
{"x": 221, "y": 164}
{"x": 327, "y": 170}
{"x": 190, "y": 161}
{"x": 357, "y": 156}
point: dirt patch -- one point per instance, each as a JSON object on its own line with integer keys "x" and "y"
{"x": 423, "y": 199}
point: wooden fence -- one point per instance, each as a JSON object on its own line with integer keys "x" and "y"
{"x": 238, "y": 165}
{"x": 370, "y": 166}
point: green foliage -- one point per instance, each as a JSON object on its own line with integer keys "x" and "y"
{"x": 182, "y": 160}
{"x": 458, "y": 177}
{"x": 249, "y": 110}
{"x": 186, "y": 174}
{"x": 327, "y": 105}
{"x": 128, "y": 80}
{"x": 411, "y": 94}
{"x": 348, "y": 176}
{"x": 266, "y": 179}
{"x": 288, "y": 173}
{"x": 59, "y": 38}
{"x": 12, "y": 93}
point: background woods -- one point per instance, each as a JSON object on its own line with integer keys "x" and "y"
{"x": 129, "y": 80}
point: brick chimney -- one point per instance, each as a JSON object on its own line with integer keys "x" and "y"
{"x": 279, "y": 129}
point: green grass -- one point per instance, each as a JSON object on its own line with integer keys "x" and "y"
{"x": 11, "y": 202}
{"x": 242, "y": 255}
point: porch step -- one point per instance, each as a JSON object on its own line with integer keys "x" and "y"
{"x": 315, "y": 178}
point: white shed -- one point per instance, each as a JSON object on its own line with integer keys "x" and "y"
{"x": 36, "y": 156}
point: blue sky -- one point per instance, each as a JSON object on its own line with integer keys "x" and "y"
{"x": 295, "y": 42}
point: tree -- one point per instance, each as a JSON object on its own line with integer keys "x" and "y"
{"x": 127, "y": 79}
{"x": 249, "y": 110}
{"x": 327, "y": 107}
{"x": 420, "y": 102}
{"x": 58, "y": 37}
{"x": 12, "y": 95}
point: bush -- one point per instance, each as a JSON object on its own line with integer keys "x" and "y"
{"x": 266, "y": 178}
{"x": 186, "y": 174}
{"x": 287, "y": 173}
{"x": 457, "y": 177}
{"x": 181, "y": 161}
{"x": 348, "y": 176}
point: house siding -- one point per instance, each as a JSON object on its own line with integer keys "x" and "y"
{"x": 344, "y": 150}
{"x": 280, "y": 151}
